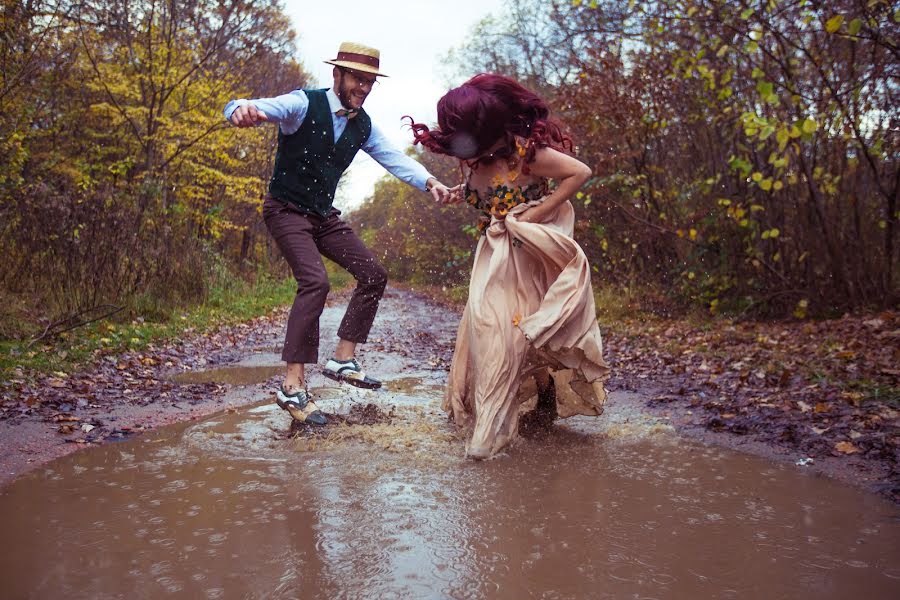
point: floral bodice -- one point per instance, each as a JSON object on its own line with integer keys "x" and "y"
{"x": 503, "y": 195}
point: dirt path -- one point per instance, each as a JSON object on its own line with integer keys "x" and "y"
{"x": 124, "y": 395}
{"x": 128, "y": 394}
{"x": 821, "y": 394}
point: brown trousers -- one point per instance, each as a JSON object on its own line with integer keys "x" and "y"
{"x": 303, "y": 239}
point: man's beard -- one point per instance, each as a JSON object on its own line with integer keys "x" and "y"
{"x": 343, "y": 93}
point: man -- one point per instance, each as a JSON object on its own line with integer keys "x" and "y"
{"x": 320, "y": 131}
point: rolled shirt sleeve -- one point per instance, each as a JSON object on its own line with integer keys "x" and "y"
{"x": 288, "y": 110}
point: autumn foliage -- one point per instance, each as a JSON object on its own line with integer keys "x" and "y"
{"x": 120, "y": 182}
{"x": 745, "y": 153}
{"x": 419, "y": 241}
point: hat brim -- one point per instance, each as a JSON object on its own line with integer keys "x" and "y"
{"x": 356, "y": 67}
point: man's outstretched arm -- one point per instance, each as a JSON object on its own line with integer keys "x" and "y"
{"x": 403, "y": 167}
{"x": 288, "y": 110}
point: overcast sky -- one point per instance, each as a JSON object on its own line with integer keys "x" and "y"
{"x": 413, "y": 37}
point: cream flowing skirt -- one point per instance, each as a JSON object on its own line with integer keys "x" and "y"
{"x": 530, "y": 309}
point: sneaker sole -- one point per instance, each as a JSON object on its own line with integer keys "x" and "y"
{"x": 354, "y": 382}
{"x": 298, "y": 414}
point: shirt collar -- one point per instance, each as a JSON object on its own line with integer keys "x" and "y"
{"x": 334, "y": 103}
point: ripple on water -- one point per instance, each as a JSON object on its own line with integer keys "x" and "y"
{"x": 398, "y": 511}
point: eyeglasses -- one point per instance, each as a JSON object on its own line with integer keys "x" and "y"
{"x": 361, "y": 81}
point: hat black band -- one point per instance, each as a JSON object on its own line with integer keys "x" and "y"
{"x": 357, "y": 58}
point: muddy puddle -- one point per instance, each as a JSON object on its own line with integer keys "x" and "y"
{"x": 233, "y": 507}
{"x": 257, "y": 368}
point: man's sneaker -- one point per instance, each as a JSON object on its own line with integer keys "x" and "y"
{"x": 349, "y": 371}
{"x": 300, "y": 406}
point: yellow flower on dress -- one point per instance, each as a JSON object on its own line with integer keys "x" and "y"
{"x": 499, "y": 208}
{"x": 517, "y": 319}
{"x": 497, "y": 180}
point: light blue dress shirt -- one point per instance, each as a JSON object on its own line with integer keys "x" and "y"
{"x": 289, "y": 110}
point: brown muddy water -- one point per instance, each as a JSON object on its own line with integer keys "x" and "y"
{"x": 617, "y": 507}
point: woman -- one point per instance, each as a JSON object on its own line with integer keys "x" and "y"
{"x": 528, "y": 335}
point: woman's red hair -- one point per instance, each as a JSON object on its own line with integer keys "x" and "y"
{"x": 473, "y": 117}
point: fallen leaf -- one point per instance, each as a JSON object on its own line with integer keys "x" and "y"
{"x": 785, "y": 378}
{"x": 804, "y": 407}
{"x": 889, "y": 413}
{"x": 846, "y": 448}
{"x": 86, "y": 427}
{"x": 59, "y": 418}
{"x": 854, "y": 398}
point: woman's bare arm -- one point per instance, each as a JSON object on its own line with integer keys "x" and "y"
{"x": 569, "y": 174}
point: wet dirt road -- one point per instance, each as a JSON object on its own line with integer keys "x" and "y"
{"x": 616, "y": 507}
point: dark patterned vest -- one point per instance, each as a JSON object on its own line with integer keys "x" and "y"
{"x": 309, "y": 163}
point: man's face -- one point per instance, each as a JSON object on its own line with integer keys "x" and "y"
{"x": 352, "y": 87}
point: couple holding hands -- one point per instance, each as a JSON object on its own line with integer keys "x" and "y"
{"x": 528, "y": 341}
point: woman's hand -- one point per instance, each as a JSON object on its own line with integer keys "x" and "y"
{"x": 535, "y": 214}
{"x": 456, "y": 194}
{"x": 442, "y": 193}
{"x": 570, "y": 174}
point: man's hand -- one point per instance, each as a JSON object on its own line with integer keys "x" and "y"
{"x": 247, "y": 115}
{"x": 441, "y": 193}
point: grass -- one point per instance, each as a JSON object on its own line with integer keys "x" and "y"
{"x": 879, "y": 393}
{"x": 236, "y": 302}
{"x": 456, "y": 295}
{"x": 616, "y": 305}
{"x": 337, "y": 277}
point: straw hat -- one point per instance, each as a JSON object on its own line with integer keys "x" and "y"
{"x": 357, "y": 57}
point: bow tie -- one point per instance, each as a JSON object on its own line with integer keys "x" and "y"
{"x": 345, "y": 112}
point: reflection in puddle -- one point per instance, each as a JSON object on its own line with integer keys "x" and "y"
{"x": 412, "y": 386}
{"x": 609, "y": 508}
{"x": 251, "y": 374}
{"x": 237, "y": 375}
